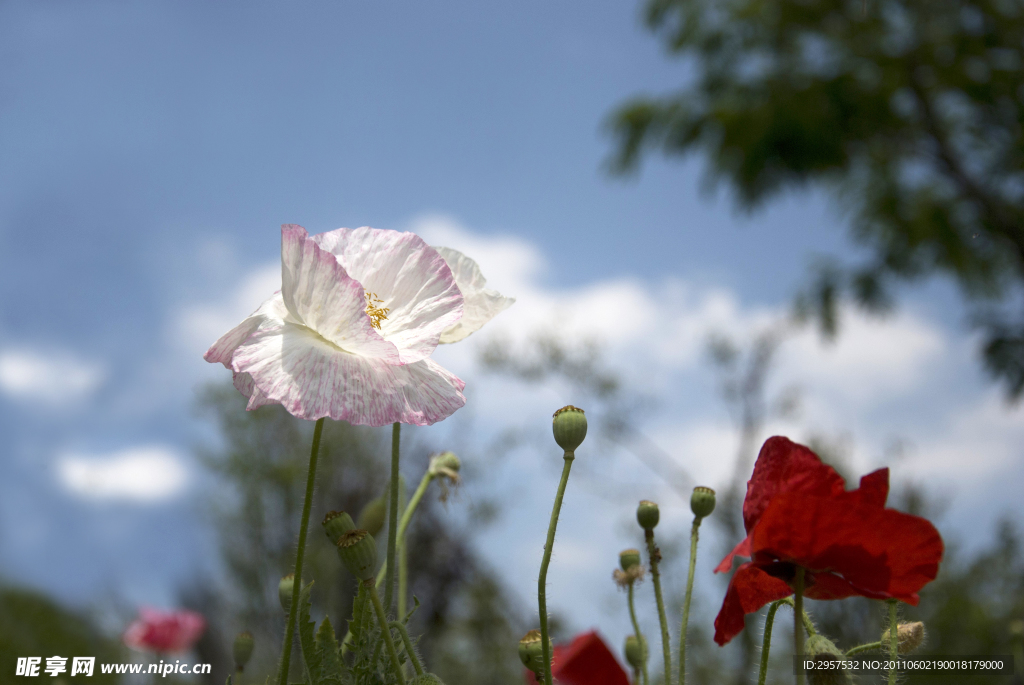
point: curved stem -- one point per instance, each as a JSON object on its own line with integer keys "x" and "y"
{"x": 542, "y": 600}
{"x": 389, "y": 581}
{"x": 894, "y": 653}
{"x": 289, "y": 631}
{"x": 639, "y": 636}
{"x": 767, "y": 644}
{"x": 666, "y": 644}
{"x": 417, "y": 666}
{"x": 389, "y": 642}
{"x": 694, "y": 536}
{"x": 798, "y": 612}
{"x": 865, "y": 648}
{"x": 407, "y": 518}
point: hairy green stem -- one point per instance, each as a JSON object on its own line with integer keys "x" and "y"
{"x": 694, "y": 536}
{"x": 766, "y": 646}
{"x": 406, "y": 518}
{"x": 389, "y": 642}
{"x": 666, "y": 642}
{"x": 397, "y": 625}
{"x": 871, "y": 646}
{"x": 389, "y": 582}
{"x": 639, "y": 636}
{"x": 542, "y": 600}
{"x": 798, "y": 612}
{"x": 403, "y": 554}
{"x": 894, "y": 653}
{"x": 289, "y": 631}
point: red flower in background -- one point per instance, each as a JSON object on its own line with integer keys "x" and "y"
{"x": 797, "y": 513}
{"x": 584, "y": 661}
{"x": 157, "y": 631}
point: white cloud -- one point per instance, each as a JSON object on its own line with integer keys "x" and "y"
{"x": 52, "y": 378}
{"x": 144, "y": 474}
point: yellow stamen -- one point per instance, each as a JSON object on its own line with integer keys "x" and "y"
{"x": 376, "y": 314}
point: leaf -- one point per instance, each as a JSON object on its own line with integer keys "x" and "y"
{"x": 328, "y": 654}
{"x": 415, "y": 606}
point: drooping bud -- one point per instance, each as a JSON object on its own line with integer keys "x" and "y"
{"x": 531, "y": 652}
{"x": 284, "y": 591}
{"x": 820, "y": 650}
{"x": 446, "y": 464}
{"x": 372, "y": 517}
{"x": 628, "y": 558}
{"x": 570, "y": 427}
{"x": 634, "y": 652}
{"x": 909, "y": 636}
{"x": 242, "y": 649}
{"x": 702, "y": 501}
{"x": 647, "y": 514}
{"x": 358, "y": 553}
{"x": 336, "y": 524}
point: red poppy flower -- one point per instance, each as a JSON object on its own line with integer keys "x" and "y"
{"x": 798, "y": 514}
{"x": 156, "y": 631}
{"x": 584, "y": 661}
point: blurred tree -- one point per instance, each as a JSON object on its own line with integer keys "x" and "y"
{"x": 911, "y": 110}
{"x": 260, "y": 465}
{"x": 32, "y": 624}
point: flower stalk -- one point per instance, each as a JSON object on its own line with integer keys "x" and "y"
{"x": 640, "y": 637}
{"x": 798, "y": 612}
{"x": 389, "y": 581}
{"x": 702, "y": 503}
{"x": 766, "y": 646}
{"x": 417, "y": 666}
{"x": 542, "y": 601}
{"x": 286, "y": 653}
{"x": 385, "y": 631}
{"x": 403, "y": 554}
{"x": 893, "y": 641}
{"x": 666, "y": 644}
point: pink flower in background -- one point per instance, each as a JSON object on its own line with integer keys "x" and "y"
{"x": 158, "y": 631}
{"x": 350, "y": 333}
{"x": 584, "y": 661}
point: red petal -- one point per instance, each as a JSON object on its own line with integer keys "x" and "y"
{"x": 588, "y": 661}
{"x": 750, "y": 588}
{"x": 874, "y": 488}
{"x": 740, "y": 550}
{"x": 784, "y": 466}
{"x": 880, "y": 552}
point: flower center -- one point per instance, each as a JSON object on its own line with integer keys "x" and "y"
{"x": 375, "y": 312}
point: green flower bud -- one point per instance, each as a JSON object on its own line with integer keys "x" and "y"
{"x": 358, "y": 552}
{"x": 820, "y": 649}
{"x": 426, "y": 679}
{"x": 570, "y": 427}
{"x": 702, "y": 501}
{"x": 628, "y": 558}
{"x": 647, "y": 514}
{"x": 909, "y": 636}
{"x": 336, "y": 524}
{"x": 531, "y": 652}
{"x": 634, "y": 652}
{"x": 373, "y": 515}
{"x": 284, "y": 591}
{"x": 242, "y": 649}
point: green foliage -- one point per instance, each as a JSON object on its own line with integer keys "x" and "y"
{"x": 911, "y": 110}
{"x": 34, "y": 625}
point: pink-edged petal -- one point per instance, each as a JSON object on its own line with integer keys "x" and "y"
{"x": 222, "y": 350}
{"x": 312, "y": 378}
{"x": 321, "y": 295}
{"x": 750, "y": 588}
{"x": 412, "y": 279}
{"x": 481, "y": 303}
{"x": 244, "y": 384}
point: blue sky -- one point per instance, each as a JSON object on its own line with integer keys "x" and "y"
{"x": 150, "y": 151}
